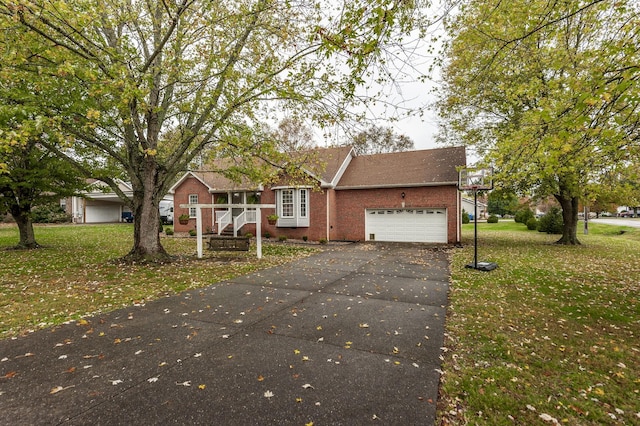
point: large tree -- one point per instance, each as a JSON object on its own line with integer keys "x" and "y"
{"x": 547, "y": 92}
{"x": 33, "y": 177}
{"x": 379, "y": 139}
{"x": 148, "y": 86}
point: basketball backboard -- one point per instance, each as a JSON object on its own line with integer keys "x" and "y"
{"x": 472, "y": 179}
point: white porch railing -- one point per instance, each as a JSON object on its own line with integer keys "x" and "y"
{"x": 223, "y": 219}
{"x": 247, "y": 216}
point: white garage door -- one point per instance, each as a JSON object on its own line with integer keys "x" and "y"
{"x": 102, "y": 213}
{"x": 407, "y": 225}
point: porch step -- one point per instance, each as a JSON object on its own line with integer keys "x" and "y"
{"x": 228, "y": 231}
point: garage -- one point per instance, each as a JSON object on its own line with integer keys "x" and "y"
{"x": 423, "y": 225}
{"x": 102, "y": 213}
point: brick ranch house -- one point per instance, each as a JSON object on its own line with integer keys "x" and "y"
{"x": 407, "y": 196}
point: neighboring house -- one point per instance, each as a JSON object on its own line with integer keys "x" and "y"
{"x": 468, "y": 206}
{"x": 409, "y": 196}
{"x": 100, "y": 204}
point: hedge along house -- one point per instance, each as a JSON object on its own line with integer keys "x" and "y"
{"x": 407, "y": 196}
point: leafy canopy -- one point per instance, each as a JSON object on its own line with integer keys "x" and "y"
{"x": 546, "y": 92}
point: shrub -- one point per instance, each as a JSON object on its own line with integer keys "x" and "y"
{"x": 248, "y": 235}
{"x": 322, "y": 241}
{"x": 282, "y": 238}
{"x": 492, "y": 219}
{"x": 192, "y": 232}
{"x": 168, "y": 230}
{"x": 551, "y": 222}
{"x": 305, "y": 238}
{"x": 523, "y": 215}
{"x": 532, "y": 224}
{"x": 267, "y": 235}
{"x": 465, "y": 217}
{"x": 49, "y": 213}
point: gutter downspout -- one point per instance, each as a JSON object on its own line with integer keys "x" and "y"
{"x": 459, "y": 218}
{"x": 328, "y": 216}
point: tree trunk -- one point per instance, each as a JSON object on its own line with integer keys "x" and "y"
{"x": 569, "y": 206}
{"x": 146, "y": 218}
{"x": 25, "y": 226}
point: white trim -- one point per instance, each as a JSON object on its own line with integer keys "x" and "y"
{"x": 184, "y": 177}
{"x": 397, "y": 185}
{"x": 343, "y": 168}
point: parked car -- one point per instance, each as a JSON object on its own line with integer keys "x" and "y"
{"x": 127, "y": 217}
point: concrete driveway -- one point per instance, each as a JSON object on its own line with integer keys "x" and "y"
{"x": 620, "y": 221}
{"x": 351, "y": 336}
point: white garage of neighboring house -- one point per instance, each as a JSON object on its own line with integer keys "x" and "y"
{"x": 417, "y": 225}
{"x": 100, "y": 204}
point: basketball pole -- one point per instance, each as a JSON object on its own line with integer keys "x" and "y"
{"x": 475, "y": 228}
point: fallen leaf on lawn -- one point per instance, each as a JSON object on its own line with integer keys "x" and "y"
{"x": 548, "y": 418}
{"x": 268, "y": 394}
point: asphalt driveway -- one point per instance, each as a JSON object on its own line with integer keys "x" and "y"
{"x": 351, "y": 335}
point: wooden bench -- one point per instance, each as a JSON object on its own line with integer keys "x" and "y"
{"x": 226, "y": 243}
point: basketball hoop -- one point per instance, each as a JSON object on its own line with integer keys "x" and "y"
{"x": 476, "y": 180}
{"x": 473, "y": 179}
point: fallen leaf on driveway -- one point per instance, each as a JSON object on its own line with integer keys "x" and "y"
{"x": 10, "y": 375}
{"x": 268, "y": 394}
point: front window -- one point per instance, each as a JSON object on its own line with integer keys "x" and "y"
{"x": 193, "y": 199}
{"x": 303, "y": 203}
{"x": 287, "y": 206}
{"x": 293, "y": 207}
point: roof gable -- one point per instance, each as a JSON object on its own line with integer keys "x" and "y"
{"x": 408, "y": 168}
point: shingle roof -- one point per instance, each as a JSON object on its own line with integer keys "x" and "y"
{"x": 408, "y": 168}
{"x": 323, "y": 163}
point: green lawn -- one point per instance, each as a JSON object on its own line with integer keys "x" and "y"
{"x": 552, "y": 335}
{"x": 77, "y": 273}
